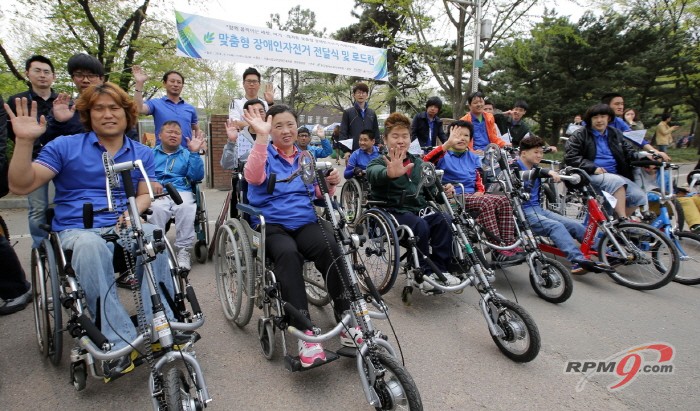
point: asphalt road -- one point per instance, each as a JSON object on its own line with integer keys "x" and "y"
{"x": 445, "y": 343}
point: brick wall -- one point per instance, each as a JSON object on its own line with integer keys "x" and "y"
{"x": 220, "y": 178}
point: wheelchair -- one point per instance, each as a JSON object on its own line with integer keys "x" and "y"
{"x": 353, "y": 197}
{"x": 59, "y": 296}
{"x": 245, "y": 279}
{"x": 511, "y": 326}
{"x": 201, "y": 223}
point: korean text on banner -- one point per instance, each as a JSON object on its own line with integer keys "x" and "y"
{"x": 206, "y": 38}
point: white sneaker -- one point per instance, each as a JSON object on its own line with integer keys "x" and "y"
{"x": 451, "y": 279}
{"x": 183, "y": 258}
{"x": 310, "y": 353}
{"x": 426, "y": 286}
{"x": 352, "y": 337}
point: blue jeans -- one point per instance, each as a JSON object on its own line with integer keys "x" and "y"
{"x": 92, "y": 262}
{"x": 561, "y": 230}
{"x": 609, "y": 182}
{"x": 38, "y": 201}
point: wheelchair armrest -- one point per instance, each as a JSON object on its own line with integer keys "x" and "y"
{"x": 249, "y": 209}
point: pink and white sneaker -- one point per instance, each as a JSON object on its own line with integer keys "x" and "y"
{"x": 310, "y": 353}
{"x": 351, "y": 337}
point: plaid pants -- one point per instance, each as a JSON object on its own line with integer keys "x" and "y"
{"x": 496, "y": 214}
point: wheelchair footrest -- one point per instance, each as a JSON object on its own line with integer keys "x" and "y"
{"x": 349, "y": 352}
{"x": 293, "y": 364}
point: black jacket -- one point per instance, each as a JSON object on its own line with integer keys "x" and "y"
{"x": 580, "y": 151}
{"x": 353, "y": 123}
{"x": 420, "y": 129}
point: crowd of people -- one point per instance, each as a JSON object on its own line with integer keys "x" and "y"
{"x": 60, "y": 140}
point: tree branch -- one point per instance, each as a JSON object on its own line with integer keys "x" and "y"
{"x": 10, "y": 64}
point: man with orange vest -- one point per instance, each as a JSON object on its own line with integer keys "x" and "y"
{"x": 485, "y": 130}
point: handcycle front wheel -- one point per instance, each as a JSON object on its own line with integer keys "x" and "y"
{"x": 652, "y": 261}
{"x": 178, "y": 391}
{"x": 557, "y": 286}
{"x": 396, "y": 388}
{"x": 521, "y": 342}
{"x": 688, "y": 245}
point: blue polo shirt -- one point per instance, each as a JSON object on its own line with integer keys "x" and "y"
{"x": 290, "y": 204}
{"x": 533, "y": 187}
{"x": 80, "y": 177}
{"x": 603, "y": 155}
{"x": 460, "y": 168}
{"x": 481, "y": 137}
{"x": 163, "y": 109}
{"x": 359, "y": 158}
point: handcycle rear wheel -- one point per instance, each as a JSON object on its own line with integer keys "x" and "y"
{"x": 235, "y": 272}
{"x": 380, "y": 252}
{"x": 521, "y": 342}
{"x": 396, "y": 388}
{"x": 351, "y": 200}
{"x": 653, "y": 259}
{"x": 315, "y": 286}
{"x": 557, "y": 286}
{"x": 689, "y": 253}
{"x": 47, "y": 306}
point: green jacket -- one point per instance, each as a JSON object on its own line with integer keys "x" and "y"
{"x": 390, "y": 189}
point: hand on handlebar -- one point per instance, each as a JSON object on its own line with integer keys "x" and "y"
{"x": 449, "y": 190}
{"x": 555, "y": 176}
{"x": 333, "y": 178}
{"x": 157, "y": 188}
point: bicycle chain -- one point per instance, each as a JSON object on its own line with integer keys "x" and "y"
{"x": 129, "y": 259}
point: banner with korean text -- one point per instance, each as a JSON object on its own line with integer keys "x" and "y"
{"x": 206, "y": 38}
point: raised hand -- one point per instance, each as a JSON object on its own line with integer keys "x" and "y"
{"x": 140, "y": 76}
{"x": 232, "y": 130}
{"x": 257, "y": 123}
{"x": 24, "y": 123}
{"x": 269, "y": 93}
{"x": 197, "y": 142}
{"x": 394, "y": 165}
{"x": 61, "y": 108}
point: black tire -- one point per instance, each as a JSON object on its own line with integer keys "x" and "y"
{"x": 688, "y": 245}
{"x": 78, "y": 375}
{"x": 653, "y": 262}
{"x": 519, "y": 328}
{"x": 557, "y": 286}
{"x": 266, "y": 336}
{"x": 177, "y": 391}
{"x": 396, "y": 388}
{"x": 315, "y": 286}
{"x": 200, "y": 252}
{"x": 39, "y": 267}
{"x": 351, "y": 200}
{"x": 380, "y": 252}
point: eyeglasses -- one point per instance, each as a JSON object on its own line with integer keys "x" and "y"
{"x": 252, "y": 82}
{"x": 40, "y": 71}
{"x": 83, "y": 76}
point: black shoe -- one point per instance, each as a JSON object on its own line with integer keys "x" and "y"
{"x": 13, "y": 305}
{"x": 113, "y": 368}
{"x": 500, "y": 257}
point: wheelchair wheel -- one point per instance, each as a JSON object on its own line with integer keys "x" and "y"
{"x": 47, "y": 306}
{"x": 177, "y": 391}
{"x": 315, "y": 286}
{"x": 557, "y": 286}
{"x": 653, "y": 259}
{"x": 266, "y": 335}
{"x": 202, "y": 228}
{"x": 395, "y": 388}
{"x": 521, "y": 342}
{"x": 380, "y": 252}
{"x": 4, "y": 232}
{"x": 78, "y": 375}
{"x": 688, "y": 246}
{"x": 201, "y": 252}
{"x": 235, "y": 272}
{"x": 351, "y": 200}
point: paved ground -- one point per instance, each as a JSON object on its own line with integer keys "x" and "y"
{"x": 444, "y": 340}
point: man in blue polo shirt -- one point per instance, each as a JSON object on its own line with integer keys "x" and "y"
{"x": 169, "y": 107}
{"x": 75, "y": 165}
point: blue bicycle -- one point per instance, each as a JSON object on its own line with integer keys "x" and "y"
{"x": 670, "y": 221}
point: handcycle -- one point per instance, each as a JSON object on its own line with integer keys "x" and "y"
{"x": 642, "y": 257}
{"x": 246, "y": 279}
{"x": 511, "y": 327}
{"x": 670, "y": 221}
{"x": 549, "y": 278}
{"x": 56, "y": 288}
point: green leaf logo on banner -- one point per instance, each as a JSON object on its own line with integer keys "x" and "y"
{"x": 209, "y": 37}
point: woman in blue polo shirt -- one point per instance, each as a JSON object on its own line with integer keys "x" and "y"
{"x": 293, "y": 231}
